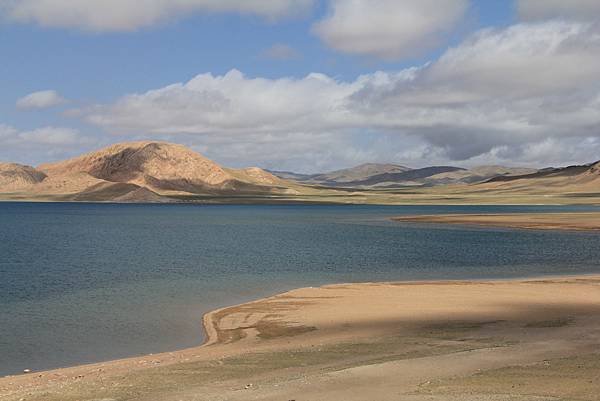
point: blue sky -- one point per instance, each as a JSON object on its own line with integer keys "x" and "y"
{"x": 95, "y": 68}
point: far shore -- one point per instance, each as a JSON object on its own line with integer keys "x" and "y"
{"x": 524, "y": 339}
{"x": 576, "y": 221}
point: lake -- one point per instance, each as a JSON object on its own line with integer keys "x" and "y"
{"x": 90, "y": 282}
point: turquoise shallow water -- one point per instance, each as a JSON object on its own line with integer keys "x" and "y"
{"x": 90, "y": 282}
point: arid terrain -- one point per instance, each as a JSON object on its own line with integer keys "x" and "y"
{"x": 136, "y": 172}
{"x": 165, "y": 172}
{"x": 535, "y": 339}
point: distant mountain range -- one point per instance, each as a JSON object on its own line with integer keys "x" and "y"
{"x": 374, "y": 175}
{"x": 580, "y": 180}
{"x": 165, "y": 172}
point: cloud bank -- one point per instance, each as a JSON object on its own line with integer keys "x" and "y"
{"x": 46, "y": 143}
{"x": 389, "y": 29}
{"x": 503, "y": 94}
{"x": 130, "y": 15}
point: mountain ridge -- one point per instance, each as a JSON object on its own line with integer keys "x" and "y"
{"x": 384, "y": 176}
{"x": 140, "y": 171}
{"x": 152, "y": 171}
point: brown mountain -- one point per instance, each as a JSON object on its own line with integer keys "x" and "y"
{"x": 141, "y": 171}
{"x": 582, "y": 179}
{"x": 373, "y": 175}
{"x": 358, "y": 173}
{"x": 343, "y": 176}
{"x": 476, "y": 174}
{"x": 15, "y": 177}
{"x": 164, "y": 172}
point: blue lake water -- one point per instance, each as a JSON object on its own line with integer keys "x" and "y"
{"x": 90, "y": 282}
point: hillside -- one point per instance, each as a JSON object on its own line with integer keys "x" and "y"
{"x": 414, "y": 177}
{"x": 15, "y": 176}
{"x": 138, "y": 171}
{"x": 358, "y": 173}
{"x": 477, "y": 175}
{"x": 343, "y": 176}
{"x": 373, "y": 175}
{"x": 572, "y": 179}
{"x": 165, "y": 172}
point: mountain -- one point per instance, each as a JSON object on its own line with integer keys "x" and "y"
{"x": 289, "y": 175}
{"x": 580, "y": 179}
{"x": 476, "y": 174}
{"x": 139, "y": 171}
{"x": 154, "y": 165}
{"x": 407, "y": 178}
{"x": 358, "y": 173}
{"x": 550, "y": 172}
{"x": 165, "y": 172}
{"x": 339, "y": 177}
{"x": 15, "y": 176}
{"x": 373, "y": 175}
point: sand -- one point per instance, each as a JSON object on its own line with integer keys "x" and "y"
{"x": 535, "y": 339}
{"x": 537, "y": 221}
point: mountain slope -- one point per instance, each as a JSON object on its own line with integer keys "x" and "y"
{"x": 372, "y": 175}
{"x": 578, "y": 179}
{"x": 14, "y": 177}
{"x": 339, "y": 177}
{"x": 550, "y": 172}
{"x": 163, "y": 168}
{"x": 477, "y": 174}
{"x": 358, "y": 173}
{"x": 290, "y": 175}
{"x": 137, "y": 172}
{"x": 410, "y": 177}
{"x": 155, "y": 165}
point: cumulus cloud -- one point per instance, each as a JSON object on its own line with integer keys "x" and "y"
{"x": 51, "y": 136}
{"x": 232, "y": 103}
{"x": 501, "y": 94}
{"x": 40, "y": 100}
{"x": 129, "y": 15}
{"x": 389, "y": 29}
{"x": 568, "y": 9}
{"x": 40, "y": 144}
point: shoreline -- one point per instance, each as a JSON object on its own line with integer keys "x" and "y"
{"x": 210, "y": 333}
{"x": 358, "y": 200}
{"x": 329, "y": 317}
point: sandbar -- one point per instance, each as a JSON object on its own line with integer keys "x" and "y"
{"x": 528, "y": 339}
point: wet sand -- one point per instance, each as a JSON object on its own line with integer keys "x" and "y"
{"x": 535, "y": 221}
{"x": 535, "y": 339}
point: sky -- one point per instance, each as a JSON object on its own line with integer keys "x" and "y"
{"x": 304, "y": 85}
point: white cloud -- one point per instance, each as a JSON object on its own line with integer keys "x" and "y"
{"x": 51, "y": 136}
{"x": 281, "y": 51}
{"x": 231, "y": 103}
{"x": 389, "y": 29}
{"x": 521, "y": 61}
{"x": 500, "y": 94}
{"x": 569, "y": 9}
{"x": 129, "y": 15}
{"x": 41, "y": 144}
{"x": 61, "y": 136}
{"x": 40, "y": 100}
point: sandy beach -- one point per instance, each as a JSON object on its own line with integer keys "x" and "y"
{"x": 535, "y": 339}
{"x": 535, "y": 221}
